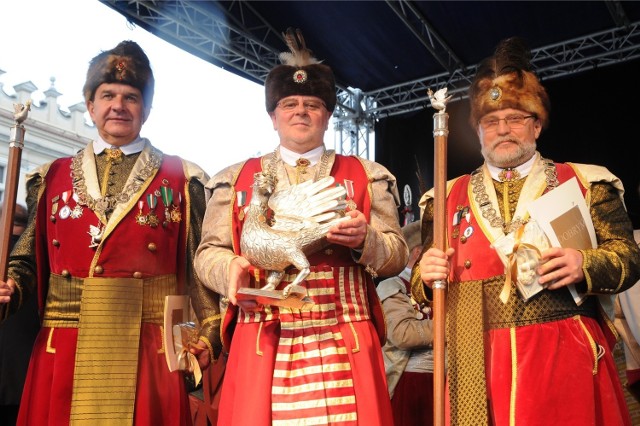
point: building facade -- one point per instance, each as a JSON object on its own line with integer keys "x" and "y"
{"x": 50, "y": 132}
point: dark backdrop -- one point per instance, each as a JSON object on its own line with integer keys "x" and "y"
{"x": 594, "y": 119}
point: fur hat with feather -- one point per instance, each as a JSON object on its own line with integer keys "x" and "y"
{"x": 126, "y": 64}
{"x": 507, "y": 80}
{"x": 300, "y": 74}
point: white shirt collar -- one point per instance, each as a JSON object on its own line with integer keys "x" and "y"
{"x": 290, "y": 157}
{"x": 523, "y": 169}
{"x": 134, "y": 147}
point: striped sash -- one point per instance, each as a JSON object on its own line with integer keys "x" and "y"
{"x": 312, "y": 382}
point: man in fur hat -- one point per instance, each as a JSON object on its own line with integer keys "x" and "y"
{"x": 113, "y": 231}
{"x": 547, "y": 359}
{"x": 321, "y": 365}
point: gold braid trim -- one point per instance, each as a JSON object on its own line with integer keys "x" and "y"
{"x": 206, "y": 341}
{"x": 211, "y": 319}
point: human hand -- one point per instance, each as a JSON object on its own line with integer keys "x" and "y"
{"x": 560, "y": 267}
{"x": 201, "y": 351}
{"x": 238, "y": 277}
{"x": 350, "y": 232}
{"x": 434, "y": 265}
{"x": 6, "y": 290}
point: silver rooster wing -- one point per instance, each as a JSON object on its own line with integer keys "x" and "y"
{"x": 302, "y": 216}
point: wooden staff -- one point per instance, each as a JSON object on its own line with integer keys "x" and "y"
{"x": 440, "y": 133}
{"x": 16, "y": 143}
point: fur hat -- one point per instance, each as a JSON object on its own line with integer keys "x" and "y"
{"x": 127, "y": 64}
{"x": 412, "y": 235}
{"x": 301, "y": 74}
{"x": 506, "y": 80}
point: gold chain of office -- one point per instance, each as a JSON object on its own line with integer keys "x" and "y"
{"x": 321, "y": 171}
{"x": 108, "y": 203}
{"x": 490, "y": 212}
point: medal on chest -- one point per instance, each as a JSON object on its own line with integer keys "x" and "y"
{"x": 348, "y": 186}
{"x": 65, "y": 211}
{"x": 96, "y": 233}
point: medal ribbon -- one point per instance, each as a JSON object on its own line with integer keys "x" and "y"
{"x": 152, "y": 201}
{"x": 167, "y": 195}
{"x": 348, "y": 184}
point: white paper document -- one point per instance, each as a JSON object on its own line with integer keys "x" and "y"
{"x": 564, "y": 217}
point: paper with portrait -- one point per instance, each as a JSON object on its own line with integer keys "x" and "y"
{"x": 180, "y": 333}
{"x": 520, "y": 251}
{"x": 564, "y": 217}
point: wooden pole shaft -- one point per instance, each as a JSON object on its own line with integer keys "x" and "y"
{"x": 10, "y": 196}
{"x": 440, "y": 134}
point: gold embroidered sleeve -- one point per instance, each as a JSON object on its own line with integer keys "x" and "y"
{"x": 205, "y": 302}
{"x": 22, "y": 260}
{"x": 615, "y": 265}
{"x": 216, "y": 246}
{"x": 384, "y": 252}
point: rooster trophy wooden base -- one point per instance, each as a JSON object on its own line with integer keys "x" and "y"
{"x": 281, "y": 228}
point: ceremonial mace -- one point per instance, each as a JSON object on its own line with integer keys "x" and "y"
{"x": 16, "y": 143}
{"x": 440, "y": 132}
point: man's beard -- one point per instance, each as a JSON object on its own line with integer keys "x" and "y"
{"x": 522, "y": 153}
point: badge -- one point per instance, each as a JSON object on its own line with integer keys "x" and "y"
{"x": 176, "y": 215}
{"x": 167, "y": 201}
{"x": 300, "y": 76}
{"x": 96, "y": 235}
{"x": 348, "y": 186}
{"x": 456, "y": 232}
{"x": 76, "y": 212}
{"x": 152, "y": 218}
{"x": 466, "y": 234}
{"x": 141, "y": 218}
{"x": 241, "y": 200}
{"x": 65, "y": 211}
{"x": 407, "y": 211}
{"x": 455, "y": 221}
{"x": 54, "y": 208}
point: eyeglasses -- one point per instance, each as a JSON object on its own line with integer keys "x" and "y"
{"x": 515, "y": 121}
{"x": 289, "y": 105}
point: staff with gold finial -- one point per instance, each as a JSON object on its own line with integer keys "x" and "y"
{"x": 16, "y": 143}
{"x": 439, "y": 101}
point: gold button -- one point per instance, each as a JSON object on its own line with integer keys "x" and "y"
{"x": 463, "y": 239}
{"x": 98, "y": 269}
{"x": 137, "y": 274}
{"x": 152, "y": 246}
{"x": 467, "y": 264}
{"x": 55, "y": 243}
{"x": 65, "y": 273}
{"x": 52, "y": 218}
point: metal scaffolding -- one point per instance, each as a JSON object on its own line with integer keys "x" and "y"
{"x": 237, "y": 37}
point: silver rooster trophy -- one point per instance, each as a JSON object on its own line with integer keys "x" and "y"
{"x": 302, "y": 215}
